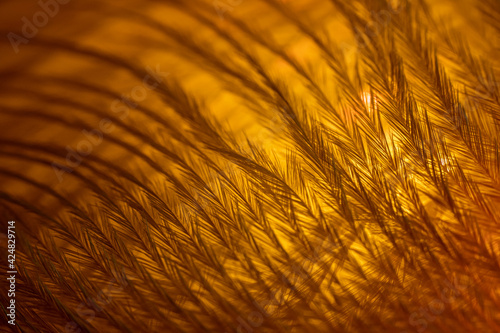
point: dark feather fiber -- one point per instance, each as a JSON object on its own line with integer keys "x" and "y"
{"x": 253, "y": 166}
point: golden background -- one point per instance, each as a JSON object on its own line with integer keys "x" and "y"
{"x": 252, "y": 166}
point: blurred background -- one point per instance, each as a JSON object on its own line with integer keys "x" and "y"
{"x": 93, "y": 100}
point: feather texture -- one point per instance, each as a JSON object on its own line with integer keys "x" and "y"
{"x": 253, "y": 166}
